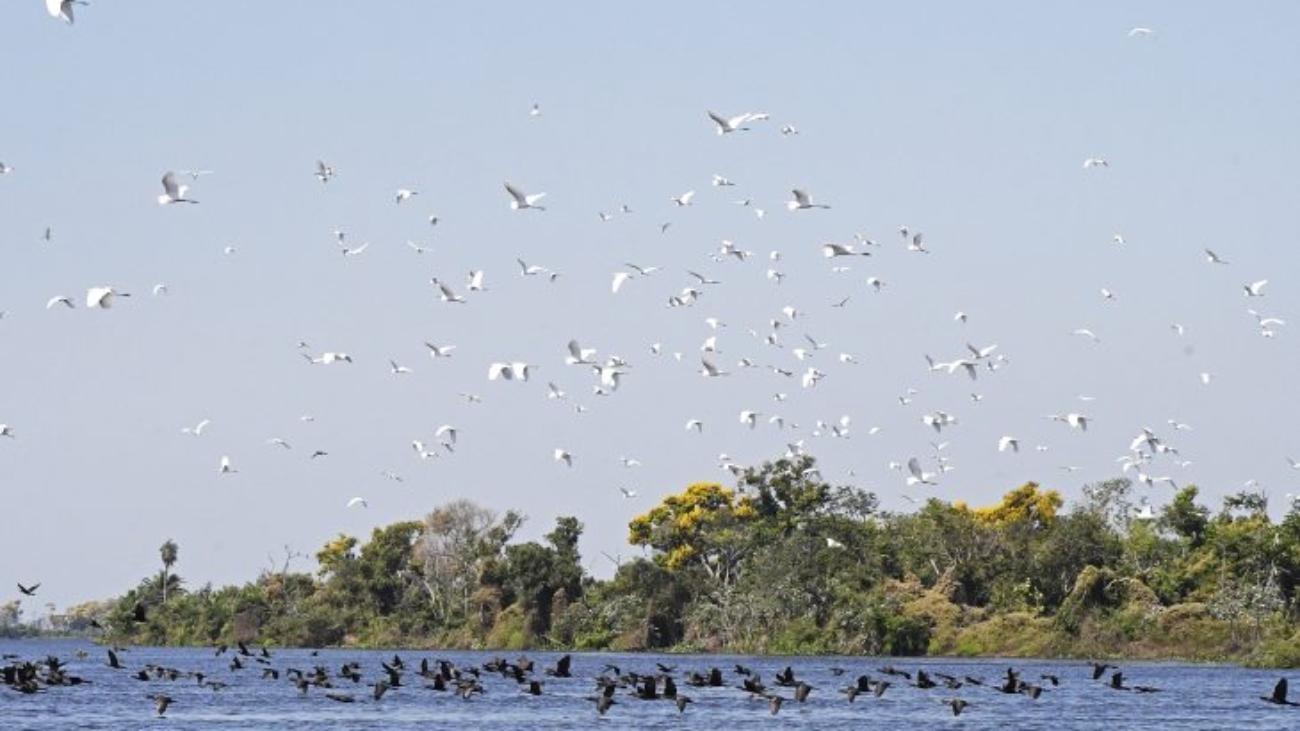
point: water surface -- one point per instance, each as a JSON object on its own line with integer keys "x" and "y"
{"x": 1192, "y": 696}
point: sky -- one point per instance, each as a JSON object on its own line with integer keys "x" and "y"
{"x": 969, "y": 123}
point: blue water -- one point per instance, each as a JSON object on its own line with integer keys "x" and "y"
{"x": 1193, "y": 696}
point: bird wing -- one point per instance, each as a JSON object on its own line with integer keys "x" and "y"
{"x": 740, "y": 119}
{"x": 717, "y": 118}
{"x": 516, "y": 194}
{"x": 801, "y": 196}
{"x": 170, "y": 186}
{"x": 914, "y": 467}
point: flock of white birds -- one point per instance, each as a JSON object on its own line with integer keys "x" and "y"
{"x": 770, "y": 374}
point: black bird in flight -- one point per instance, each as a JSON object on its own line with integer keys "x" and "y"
{"x": 29, "y": 590}
{"x": 1279, "y": 695}
{"x": 1099, "y": 669}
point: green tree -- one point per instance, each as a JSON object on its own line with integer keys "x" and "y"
{"x": 168, "y": 552}
{"x": 1185, "y": 518}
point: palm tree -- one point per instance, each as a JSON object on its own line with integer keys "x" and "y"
{"x": 168, "y": 552}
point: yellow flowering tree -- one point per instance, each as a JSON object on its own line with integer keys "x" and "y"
{"x": 705, "y": 527}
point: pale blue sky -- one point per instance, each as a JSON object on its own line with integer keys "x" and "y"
{"x": 969, "y": 122}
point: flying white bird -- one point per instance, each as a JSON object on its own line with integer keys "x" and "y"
{"x": 474, "y": 282}
{"x": 225, "y": 468}
{"x": 1085, "y": 332}
{"x": 1095, "y": 162}
{"x": 328, "y": 358}
{"x": 358, "y": 501}
{"x": 446, "y": 434}
{"x": 811, "y": 377}
{"x": 277, "y": 441}
{"x": 62, "y": 9}
{"x": 938, "y": 420}
{"x": 553, "y": 391}
{"x": 446, "y": 293}
{"x": 562, "y": 455}
{"x": 735, "y": 124}
{"x": 709, "y": 370}
{"x": 196, "y": 430}
{"x": 831, "y": 250}
{"x": 619, "y": 279}
{"x": 579, "y": 355}
{"x": 627, "y": 493}
{"x": 520, "y": 201}
{"x": 526, "y": 270}
{"x": 1214, "y": 258}
{"x": 397, "y": 370}
{"x": 6, "y": 431}
{"x": 173, "y": 192}
{"x": 749, "y": 418}
{"x": 439, "y": 351}
{"x": 1140, "y": 31}
{"x": 515, "y": 371}
{"x": 684, "y": 199}
{"x": 1077, "y": 421}
{"x": 404, "y": 194}
{"x": 802, "y": 201}
{"x": 1255, "y": 289}
{"x": 323, "y": 172}
{"x": 917, "y": 476}
{"x": 102, "y": 297}
{"x": 695, "y": 424}
{"x": 355, "y": 250}
{"x": 60, "y": 300}
{"x": 1006, "y": 443}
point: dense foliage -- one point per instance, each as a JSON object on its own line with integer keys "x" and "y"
{"x": 783, "y": 562}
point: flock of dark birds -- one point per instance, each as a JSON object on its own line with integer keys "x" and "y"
{"x": 351, "y": 683}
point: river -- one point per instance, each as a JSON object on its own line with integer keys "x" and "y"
{"x": 1189, "y": 696}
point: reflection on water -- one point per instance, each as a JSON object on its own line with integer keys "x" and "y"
{"x": 1190, "y": 697}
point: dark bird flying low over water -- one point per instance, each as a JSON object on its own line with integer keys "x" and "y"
{"x": 1279, "y": 695}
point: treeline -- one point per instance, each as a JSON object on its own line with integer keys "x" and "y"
{"x": 784, "y": 563}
